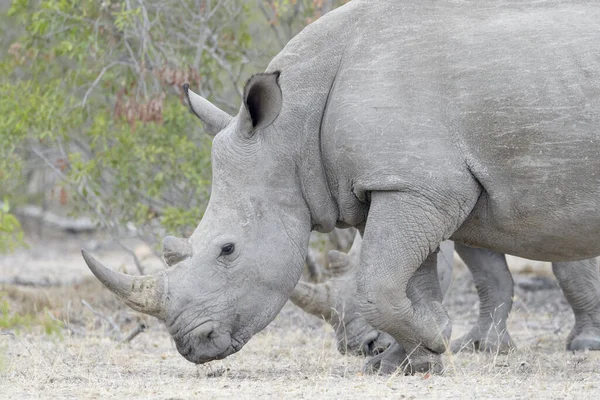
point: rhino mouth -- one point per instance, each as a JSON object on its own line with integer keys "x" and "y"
{"x": 202, "y": 348}
{"x": 378, "y": 345}
{"x": 372, "y": 347}
{"x": 370, "y": 344}
{"x": 357, "y": 337}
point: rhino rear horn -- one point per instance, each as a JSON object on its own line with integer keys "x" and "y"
{"x": 146, "y": 294}
{"x": 175, "y": 250}
{"x": 315, "y": 299}
{"x": 213, "y": 118}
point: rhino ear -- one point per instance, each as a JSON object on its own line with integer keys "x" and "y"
{"x": 263, "y": 99}
{"x": 213, "y": 118}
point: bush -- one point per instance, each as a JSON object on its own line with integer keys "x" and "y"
{"x": 92, "y": 92}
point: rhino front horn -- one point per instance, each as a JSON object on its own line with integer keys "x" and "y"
{"x": 145, "y": 294}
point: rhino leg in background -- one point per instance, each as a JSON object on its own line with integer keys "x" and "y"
{"x": 495, "y": 287}
{"x": 580, "y": 282}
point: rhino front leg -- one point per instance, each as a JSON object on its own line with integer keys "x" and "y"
{"x": 580, "y": 282}
{"x": 445, "y": 260}
{"x": 398, "y": 289}
{"x": 495, "y": 288}
{"x": 421, "y": 291}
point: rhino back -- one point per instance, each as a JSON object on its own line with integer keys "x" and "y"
{"x": 506, "y": 96}
{"x": 528, "y": 115}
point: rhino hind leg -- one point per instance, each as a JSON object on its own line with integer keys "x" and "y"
{"x": 495, "y": 287}
{"x": 580, "y": 282}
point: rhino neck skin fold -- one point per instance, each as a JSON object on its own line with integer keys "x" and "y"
{"x": 309, "y": 64}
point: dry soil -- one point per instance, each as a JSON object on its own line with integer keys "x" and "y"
{"x": 295, "y": 357}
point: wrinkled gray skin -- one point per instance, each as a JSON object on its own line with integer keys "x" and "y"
{"x": 580, "y": 281}
{"x": 336, "y": 302}
{"x": 415, "y": 122}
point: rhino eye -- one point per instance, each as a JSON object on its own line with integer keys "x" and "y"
{"x": 227, "y": 249}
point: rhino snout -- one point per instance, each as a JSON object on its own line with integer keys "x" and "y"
{"x": 205, "y": 342}
{"x": 358, "y": 338}
{"x": 380, "y": 344}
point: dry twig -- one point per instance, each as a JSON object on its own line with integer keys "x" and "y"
{"x": 114, "y": 326}
{"x": 136, "y": 331}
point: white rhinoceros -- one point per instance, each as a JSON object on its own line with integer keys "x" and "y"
{"x": 414, "y": 121}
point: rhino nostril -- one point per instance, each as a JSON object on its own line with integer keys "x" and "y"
{"x": 206, "y": 330}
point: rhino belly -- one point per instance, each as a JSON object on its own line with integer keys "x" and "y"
{"x": 540, "y": 228}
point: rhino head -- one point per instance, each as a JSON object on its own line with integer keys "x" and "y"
{"x": 336, "y": 302}
{"x": 234, "y": 274}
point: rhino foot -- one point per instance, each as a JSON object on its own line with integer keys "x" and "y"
{"x": 395, "y": 359}
{"x": 484, "y": 340}
{"x": 585, "y": 339}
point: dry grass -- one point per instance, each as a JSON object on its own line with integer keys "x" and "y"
{"x": 295, "y": 357}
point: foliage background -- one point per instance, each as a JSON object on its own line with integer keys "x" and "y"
{"x": 94, "y": 120}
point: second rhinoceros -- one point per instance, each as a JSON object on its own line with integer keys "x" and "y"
{"x": 337, "y": 303}
{"x": 415, "y": 122}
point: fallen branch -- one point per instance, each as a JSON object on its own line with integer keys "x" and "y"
{"x": 18, "y": 281}
{"x": 75, "y": 225}
{"x": 114, "y": 326}
{"x": 136, "y": 331}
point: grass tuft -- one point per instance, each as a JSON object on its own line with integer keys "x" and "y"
{"x": 11, "y": 320}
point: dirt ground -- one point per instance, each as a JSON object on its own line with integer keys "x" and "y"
{"x": 66, "y": 349}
